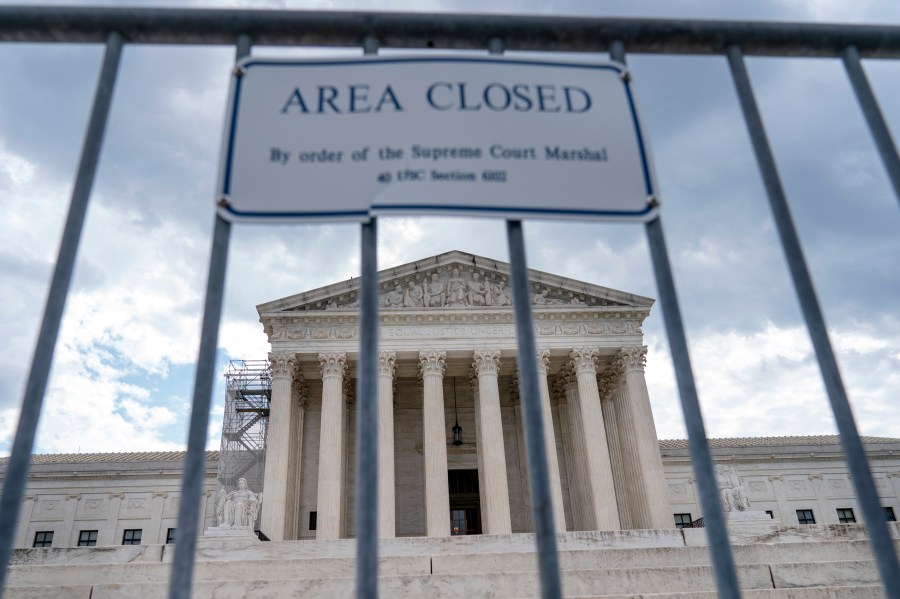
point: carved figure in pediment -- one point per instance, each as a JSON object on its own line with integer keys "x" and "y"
{"x": 540, "y": 298}
{"x": 414, "y": 296}
{"x": 500, "y": 295}
{"x": 456, "y": 289}
{"x": 435, "y": 295}
{"x": 477, "y": 292}
{"x": 394, "y": 299}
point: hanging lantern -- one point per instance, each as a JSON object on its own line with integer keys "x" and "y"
{"x": 457, "y": 429}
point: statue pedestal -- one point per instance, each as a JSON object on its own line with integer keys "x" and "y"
{"x": 749, "y": 524}
{"x": 229, "y": 531}
{"x": 239, "y": 534}
{"x": 750, "y": 517}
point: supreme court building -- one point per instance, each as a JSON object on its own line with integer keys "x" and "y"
{"x": 447, "y": 358}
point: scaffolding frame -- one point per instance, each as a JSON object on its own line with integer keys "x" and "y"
{"x": 242, "y": 454}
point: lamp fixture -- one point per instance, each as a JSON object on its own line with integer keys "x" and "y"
{"x": 457, "y": 429}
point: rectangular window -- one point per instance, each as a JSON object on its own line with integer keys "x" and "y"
{"x": 132, "y": 536}
{"x": 889, "y": 514}
{"x": 805, "y": 517}
{"x": 683, "y": 521}
{"x": 771, "y": 515}
{"x": 845, "y": 515}
{"x": 87, "y": 538}
{"x": 43, "y": 538}
{"x": 312, "y": 520}
{"x": 170, "y": 536}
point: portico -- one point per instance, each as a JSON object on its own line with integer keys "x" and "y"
{"x": 446, "y": 327}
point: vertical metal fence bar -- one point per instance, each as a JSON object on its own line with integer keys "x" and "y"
{"x": 866, "y": 494}
{"x": 532, "y": 414}
{"x": 701, "y": 457}
{"x": 869, "y": 104}
{"x": 36, "y": 385}
{"x": 195, "y": 459}
{"x": 367, "y": 406}
{"x": 533, "y": 424}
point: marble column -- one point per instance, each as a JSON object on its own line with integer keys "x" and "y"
{"x": 25, "y": 521}
{"x": 559, "y": 514}
{"x": 579, "y": 487}
{"x": 827, "y": 514}
{"x": 69, "y": 521}
{"x": 107, "y": 536}
{"x": 495, "y": 516}
{"x": 156, "y": 510}
{"x": 606, "y": 382}
{"x": 524, "y": 488}
{"x": 387, "y": 526}
{"x": 434, "y": 444}
{"x": 300, "y": 397}
{"x": 784, "y": 511}
{"x": 602, "y": 500}
{"x": 330, "y": 499}
{"x": 894, "y": 479}
{"x": 273, "y": 515}
{"x": 565, "y": 434}
{"x": 648, "y": 490}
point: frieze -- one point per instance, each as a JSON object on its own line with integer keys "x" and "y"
{"x": 349, "y": 333}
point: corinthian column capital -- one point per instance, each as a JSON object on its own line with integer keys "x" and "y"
{"x": 567, "y": 378}
{"x": 583, "y": 359}
{"x": 558, "y": 391}
{"x": 607, "y": 381}
{"x": 514, "y": 395}
{"x": 432, "y": 362}
{"x": 543, "y": 358}
{"x": 387, "y": 363}
{"x": 300, "y": 389}
{"x": 282, "y": 364}
{"x": 332, "y": 364}
{"x": 487, "y": 361}
{"x": 632, "y": 357}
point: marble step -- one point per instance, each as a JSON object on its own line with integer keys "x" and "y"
{"x": 507, "y": 585}
{"x": 872, "y": 591}
{"x": 843, "y": 592}
{"x": 586, "y": 559}
{"x": 140, "y": 572}
{"x": 652, "y": 557}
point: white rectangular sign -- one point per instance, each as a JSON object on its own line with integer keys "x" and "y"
{"x": 350, "y": 138}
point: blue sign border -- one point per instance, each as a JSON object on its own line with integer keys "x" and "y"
{"x": 482, "y": 210}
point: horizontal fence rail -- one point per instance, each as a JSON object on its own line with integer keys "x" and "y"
{"x": 443, "y": 31}
{"x": 494, "y": 33}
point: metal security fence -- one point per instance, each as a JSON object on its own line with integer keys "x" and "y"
{"x": 115, "y": 27}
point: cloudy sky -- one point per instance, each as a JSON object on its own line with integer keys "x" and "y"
{"x": 124, "y": 365}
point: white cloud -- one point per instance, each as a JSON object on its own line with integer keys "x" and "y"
{"x": 133, "y": 315}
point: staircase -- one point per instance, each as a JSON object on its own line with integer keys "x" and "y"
{"x": 801, "y": 562}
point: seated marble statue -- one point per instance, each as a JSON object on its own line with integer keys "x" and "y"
{"x": 238, "y": 508}
{"x": 731, "y": 491}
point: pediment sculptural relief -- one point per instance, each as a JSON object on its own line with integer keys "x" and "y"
{"x": 454, "y": 286}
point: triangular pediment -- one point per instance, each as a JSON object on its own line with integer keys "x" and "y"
{"x": 455, "y": 281}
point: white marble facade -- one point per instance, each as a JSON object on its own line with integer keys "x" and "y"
{"x": 446, "y": 323}
{"x": 444, "y": 331}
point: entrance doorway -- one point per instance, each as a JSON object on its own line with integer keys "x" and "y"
{"x": 465, "y": 503}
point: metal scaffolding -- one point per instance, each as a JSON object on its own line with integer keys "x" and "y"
{"x": 248, "y": 390}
